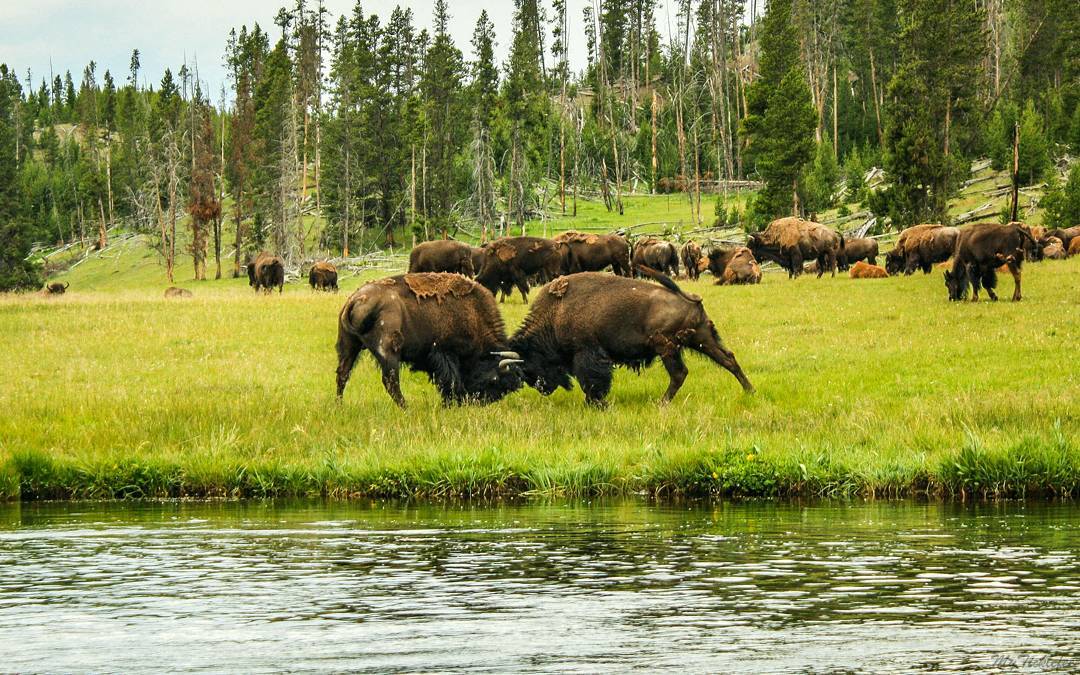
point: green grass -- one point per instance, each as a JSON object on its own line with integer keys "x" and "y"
{"x": 864, "y": 387}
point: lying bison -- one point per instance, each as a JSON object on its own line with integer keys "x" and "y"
{"x": 790, "y": 241}
{"x": 980, "y": 250}
{"x": 586, "y": 324}
{"x": 1066, "y": 236}
{"x": 512, "y": 260}
{"x": 265, "y": 272}
{"x": 1074, "y": 247}
{"x": 176, "y": 292}
{"x": 856, "y": 249}
{"x": 445, "y": 255}
{"x": 445, "y": 325}
{"x": 1052, "y": 248}
{"x": 595, "y": 252}
{"x": 864, "y": 270}
{"x": 692, "y": 257}
{"x": 921, "y": 247}
{"x": 323, "y": 277}
{"x": 57, "y": 288}
{"x": 733, "y": 266}
{"x": 656, "y": 254}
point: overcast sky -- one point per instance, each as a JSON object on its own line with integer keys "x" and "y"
{"x": 67, "y": 34}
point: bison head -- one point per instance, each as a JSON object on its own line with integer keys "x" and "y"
{"x": 956, "y": 281}
{"x": 894, "y": 262}
{"x": 493, "y": 377}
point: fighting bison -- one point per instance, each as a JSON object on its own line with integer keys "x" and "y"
{"x": 864, "y": 270}
{"x": 858, "y": 248}
{"x": 445, "y": 255}
{"x": 656, "y": 254}
{"x": 980, "y": 249}
{"x": 790, "y": 241}
{"x": 595, "y": 252}
{"x": 733, "y": 266}
{"x": 175, "y": 292}
{"x": 266, "y": 271}
{"x": 323, "y": 277}
{"x": 586, "y": 324}
{"x": 445, "y": 325}
{"x": 512, "y": 260}
{"x": 56, "y": 288}
{"x": 921, "y": 247}
{"x": 691, "y": 258}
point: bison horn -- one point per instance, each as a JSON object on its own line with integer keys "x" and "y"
{"x": 507, "y": 355}
{"x": 506, "y": 363}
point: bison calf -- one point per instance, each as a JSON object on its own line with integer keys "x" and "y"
{"x": 445, "y": 325}
{"x": 862, "y": 270}
{"x": 586, "y": 324}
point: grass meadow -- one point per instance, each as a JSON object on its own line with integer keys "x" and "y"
{"x": 875, "y": 387}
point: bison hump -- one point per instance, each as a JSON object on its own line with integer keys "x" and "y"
{"x": 558, "y": 287}
{"x": 505, "y": 251}
{"x": 438, "y": 285}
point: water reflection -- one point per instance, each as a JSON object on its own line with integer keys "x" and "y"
{"x": 728, "y": 587}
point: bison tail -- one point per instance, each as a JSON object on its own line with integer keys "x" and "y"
{"x": 666, "y": 282}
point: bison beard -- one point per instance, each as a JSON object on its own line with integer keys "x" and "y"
{"x": 441, "y": 324}
{"x": 586, "y": 324}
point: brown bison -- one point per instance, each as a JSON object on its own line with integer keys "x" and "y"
{"x": 864, "y": 270}
{"x": 595, "y": 253}
{"x": 1066, "y": 236}
{"x": 444, "y": 255}
{"x": 1052, "y": 248}
{"x": 921, "y": 247}
{"x": 176, "y": 292}
{"x": 323, "y": 277}
{"x": 1074, "y": 247}
{"x": 980, "y": 249}
{"x": 858, "y": 248}
{"x": 445, "y": 325}
{"x": 656, "y": 254}
{"x": 583, "y": 325}
{"x": 691, "y": 258}
{"x": 56, "y": 288}
{"x": 733, "y": 266}
{"x": 266, "y": 271}
{"x": 790, "y": 241}
{"x": 512, "y": 260}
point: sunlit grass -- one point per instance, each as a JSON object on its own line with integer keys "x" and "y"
{"x": 871, "y": 387}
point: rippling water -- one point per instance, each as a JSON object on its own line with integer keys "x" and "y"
{"x": 270, "y": 587}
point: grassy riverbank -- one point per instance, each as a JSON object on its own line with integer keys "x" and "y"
{"x": 872, "y": 387}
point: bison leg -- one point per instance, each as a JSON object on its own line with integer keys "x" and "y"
{"x": 725, "y": 359}
{"x": 677, "y": 371}
{"x": 348, "y": 349}
{"x": 523, "y": 286}
{"x": 391, "y": 377}
{"x": 592, "y": 369}
{"x": 796, "y": 265}
{"x": 1015, "y": 270}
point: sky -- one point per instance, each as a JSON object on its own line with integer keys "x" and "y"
{"x": 66, "y": 34}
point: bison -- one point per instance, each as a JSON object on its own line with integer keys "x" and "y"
{"x": 656, "y": 254}
{"x": 176, "y": 292}
{"x": 445, "y": 255}
{"x": 595, "y": 252}
{"x": 57, "y": 288}
{"x": 266, "y": 271}
{"x": 864, "y": 270}
{"x": 980, "y": 249}
{"x": 1066, "y": 236}
{"x": 1052, "y": 249}
{"x": 921, "y": 247}
{"x": 445, "y": 325}
{"x": 858, "y": 248}
{"x": 790, "y": 241}
{"x": 512, "y": 260}
{"x": 733, "y": 266}
{"x": 323, "y": 277}
{"x": 1074, "y": 247}
{"x": 583, "y": 325}
{"x": 691, "y": 258}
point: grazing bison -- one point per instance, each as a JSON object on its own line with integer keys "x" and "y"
{"x": 921, "y": 247}
{"x": 586, "y": 324}
{"x": 980, "y": 250}
{"x": 323, "y": 277}
{"x": 56, "y": 288}
{"x": 691, "y": 258}
{"x": 595, "y": 252}
{"x": 444, "y": 255}
{"x": 445, "y": 325}
{"x": 790, "y": 241}
{"x": 175, "y": 292}
{"x": 1052, "y": 249}
{"x": 1066, "y": 235}
{"x": 864, "y": 270}
{"x": 512, "y": 260}
{"x": 656, "y": 254}
{"x": 266, "y": 271}
{"x": 733, "y": 266}
{"x": 858, "y": 248}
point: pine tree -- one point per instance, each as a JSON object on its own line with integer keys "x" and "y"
{"x": 15, "y": 272}
{"x": 203, "y": 203}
